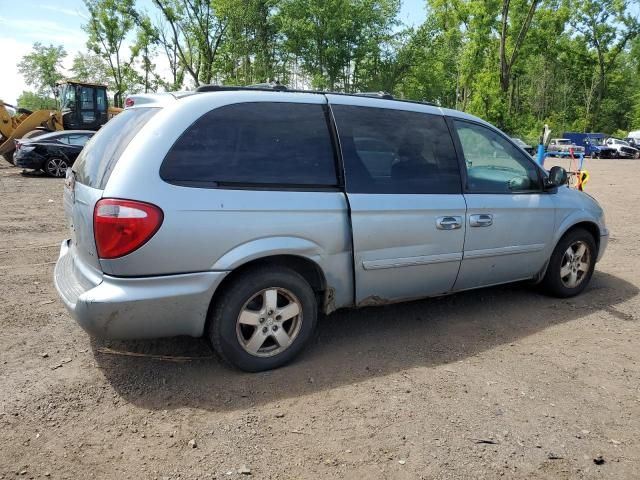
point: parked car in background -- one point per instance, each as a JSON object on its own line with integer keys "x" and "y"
{"x": 635, "y": 136}
{"x": 563, "y": 146}
{"x": 622, "y": 148}
{"x": 52, "y": 152}
{"x": 523, "y": 145}
{"x": 593, "y": 144}
{"x": 241, "y": 214}
{"x": 634, "y": 142}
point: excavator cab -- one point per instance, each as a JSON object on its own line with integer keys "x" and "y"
{"x": 83, "y": 106}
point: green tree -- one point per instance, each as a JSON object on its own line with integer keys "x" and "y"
{"x": 33, "y": 101}
{"x": 334, "y": 39}
{"x": 170, "y": 49}
{"x": 251, "y": 50}
{"x": 42, "y": 68}
{"x": 607, "y": 27}
{"x": 109, "y": 24}
{"x": 196, "y": 33}
{"x": 144, "y": 47}
{"x": 89, "y": 67}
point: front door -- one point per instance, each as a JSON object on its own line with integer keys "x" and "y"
{"x": 510, "y": 219}
{"x": 404, "y": 191}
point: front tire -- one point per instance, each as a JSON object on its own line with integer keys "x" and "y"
{"x": 571, "y": 265}
{"x": 263, "y": 319}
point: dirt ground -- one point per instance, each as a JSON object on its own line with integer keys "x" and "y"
{"x": 502, "y": 382}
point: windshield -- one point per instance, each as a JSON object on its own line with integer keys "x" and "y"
{"x": 67, "y": 96}
{"x": 563, "y": 141}
{"x": 596, "y": 141}
{"x": 101, "y": 154}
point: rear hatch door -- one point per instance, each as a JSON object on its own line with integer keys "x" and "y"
{"x": 89, "y": 176}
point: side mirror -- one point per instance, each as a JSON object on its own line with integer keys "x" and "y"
{"x": 557, "y": 177}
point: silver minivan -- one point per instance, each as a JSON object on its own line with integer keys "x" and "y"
{"x": 241, "y": 214}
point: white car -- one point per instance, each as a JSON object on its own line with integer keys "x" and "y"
{"x": 623, "y": 149}
{"x": 563, "y": 145}
{"x": 634, "y": 138}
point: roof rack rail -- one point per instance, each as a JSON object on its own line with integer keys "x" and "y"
{"x": 267, "y": 86}
{"x": 381, "y": 94}
{"x": 278, "y": 87}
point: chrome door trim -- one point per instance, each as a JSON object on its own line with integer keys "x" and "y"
{"x": 495, "y": 252}
{"x": 411, "y": 261}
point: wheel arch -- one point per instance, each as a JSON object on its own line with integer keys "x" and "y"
{"x": 304, "y": 266}
{"x": 57, "y": 153}
{"x": 588, "y": 225}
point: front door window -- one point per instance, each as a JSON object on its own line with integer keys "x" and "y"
{"x": 494, "y": 165}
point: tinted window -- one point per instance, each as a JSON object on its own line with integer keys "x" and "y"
{"x": 49, "y": 138}
{"x": 494, "y": 165}
{"x": 77, "y": 139}
{"x": 86, "y": 98}
{"x": 101, "y": 100}
{"x": 100, "y": 155}
{"x": 255, "y": 143}
{"x": 392, "y": 151}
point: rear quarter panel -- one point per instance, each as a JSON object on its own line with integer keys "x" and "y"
{"x": 210, "y": 229}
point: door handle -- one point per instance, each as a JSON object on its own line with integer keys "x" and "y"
{"x": 448, "y": 223}
{"x": 481, "y": 220}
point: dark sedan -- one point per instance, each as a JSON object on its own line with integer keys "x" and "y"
{"x": 52, "y": 152}
{"x": 525, "y": 146}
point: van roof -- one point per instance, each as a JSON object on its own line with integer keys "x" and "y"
{"x": 278, "y": 87}
{"x": 161, "y": 99}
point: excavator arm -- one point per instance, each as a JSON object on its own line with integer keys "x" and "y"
{"x": 16, "y": 126}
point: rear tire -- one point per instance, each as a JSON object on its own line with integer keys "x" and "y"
{"x": 56, "y": 167}
{"x": 263, "y": 319}
{"x": 571, "y": 265}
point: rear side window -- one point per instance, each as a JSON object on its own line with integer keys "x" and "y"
{"x": 77, "y": 139}
{"x": 395, "y": 151}
{"x": 257, "y": 143}
{"x": 101, "y": 154}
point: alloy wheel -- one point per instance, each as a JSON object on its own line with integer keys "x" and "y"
{"x": 269, "y": 322}
{"x": 57, "y": 167}
{"x": 575, "y": 265}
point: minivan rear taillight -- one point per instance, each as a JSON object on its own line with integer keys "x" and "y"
{"x": 122, "y": 226}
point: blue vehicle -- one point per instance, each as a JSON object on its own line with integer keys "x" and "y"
{"x": 593, "y": 144}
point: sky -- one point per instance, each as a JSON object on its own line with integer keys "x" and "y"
{"x": 23, "y": 22}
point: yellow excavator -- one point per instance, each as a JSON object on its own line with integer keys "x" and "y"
{"x": 83, "y": 106}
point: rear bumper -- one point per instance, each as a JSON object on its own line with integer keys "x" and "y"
{"x": 31, "y": 161}
{"x": 132, "y": 308}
